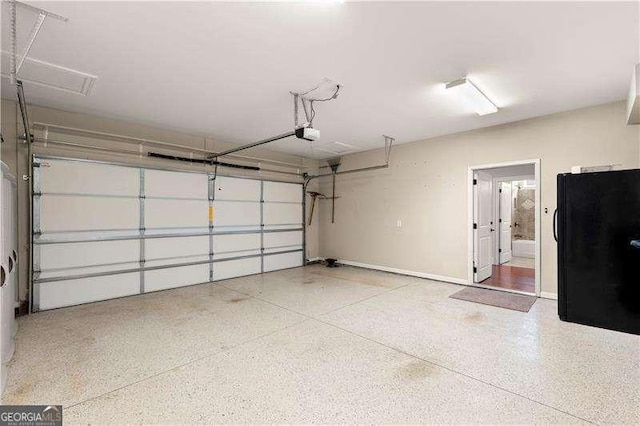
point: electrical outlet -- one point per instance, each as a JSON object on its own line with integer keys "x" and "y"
{"x": 399, "y": 223}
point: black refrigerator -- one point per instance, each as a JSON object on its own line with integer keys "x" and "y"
{"x": 598, "y": 233}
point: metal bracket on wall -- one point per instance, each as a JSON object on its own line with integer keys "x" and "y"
{"x": 141, "y": 230}
{"x": 211, "y": 189}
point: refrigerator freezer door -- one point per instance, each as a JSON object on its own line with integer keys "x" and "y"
{"x": 599, "y": 268}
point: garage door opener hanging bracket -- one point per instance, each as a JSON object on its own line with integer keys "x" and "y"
{"x": 17, "y": 61}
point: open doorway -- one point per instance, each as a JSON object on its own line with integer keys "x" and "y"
{"x": 504, "y": 222}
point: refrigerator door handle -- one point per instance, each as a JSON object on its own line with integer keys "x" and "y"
{"x": 555, "y": 221}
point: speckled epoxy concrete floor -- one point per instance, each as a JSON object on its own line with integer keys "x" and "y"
{"x": 322, "y": 345}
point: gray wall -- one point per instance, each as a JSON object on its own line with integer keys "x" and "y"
{"x": 426, "y": 188}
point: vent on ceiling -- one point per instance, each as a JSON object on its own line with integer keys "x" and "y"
{"x": 334, "y": 147}
{"x": 46, "y": 74}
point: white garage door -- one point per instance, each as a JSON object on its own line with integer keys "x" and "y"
{"x": 102, "y": 231}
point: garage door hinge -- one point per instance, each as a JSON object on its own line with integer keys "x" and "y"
{"x": 475, "y": 226}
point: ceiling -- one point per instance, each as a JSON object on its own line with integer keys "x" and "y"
{"x": 225, "y": 69}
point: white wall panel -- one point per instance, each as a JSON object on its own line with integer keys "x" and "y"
{"x": 282, "y": 261}
{"x": 88, "y": 178}
{"x": 160, "y": 183}
{"x": 278, "y": 213}
{"x": 73, "y": 292}
{"x": 227, "y": 188}
{"x": 176, "y": 213}
{"x": 235, "y": 268}
{"x": 283, "y": 192}
{"x": 74, "y": 255}
{"x": 161, "y": 279}
{"x": 281, "y": 239}
{"x": 229, "y": 213}
{"x": 159, "y": 248}
{"x": 69, "y": 213}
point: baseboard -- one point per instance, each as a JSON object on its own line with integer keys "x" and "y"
{"x": 547, "y": 295}
{"x": 406, "y": 272}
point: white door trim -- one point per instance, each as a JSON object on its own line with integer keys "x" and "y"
{"x": 538, "y": 209}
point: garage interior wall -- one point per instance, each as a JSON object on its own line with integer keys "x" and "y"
{"x": 426, "y": 188}
{"x": 14, "y": 154}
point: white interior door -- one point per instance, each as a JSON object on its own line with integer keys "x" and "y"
{"x": 483, "y": 227}
{"x": 506, "y": 208}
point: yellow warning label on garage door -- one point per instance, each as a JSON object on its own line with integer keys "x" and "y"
{"x": 210, "y": 213}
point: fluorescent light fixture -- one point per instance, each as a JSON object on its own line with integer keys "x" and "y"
{"x": 472, "y": 96}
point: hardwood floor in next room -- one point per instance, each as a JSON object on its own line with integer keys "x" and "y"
{"x": 512, "y": 278}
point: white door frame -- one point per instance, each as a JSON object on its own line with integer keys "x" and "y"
{"x": 538, "y": 211}
{"x": 496, "y": 206}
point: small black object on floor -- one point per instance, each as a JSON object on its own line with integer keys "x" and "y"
{"x": 332, "y": 263}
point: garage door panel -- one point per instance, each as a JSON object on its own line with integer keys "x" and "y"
{"x": 236, "y": 268}
{"x": 76, "y": 177}
{"x": 282, "y": 192}
{"x": 69, "y": 213}
{"x": 89, "y": 219}
{"x": 238, "y": 214}
{"x": 91, "y": 269}
{"x": 181, "y": 260}
{"x": 162, "y": 279}
{"x": 227, "y": 188}
{"x": 235, "y": 242}
{"x": 161, "y": 183}
{"x": 282, "y": 261}
{"x": 237, "y": 253}
{"x": 176, "y": 213}
{"x": 160, "y": 248}
{"x": 282, "y": 239}
{"x": 57, "y": 294}
{"x": 75, "y": 255}
{"x": 280, "y": 213}
{"x": 51, "y": 236}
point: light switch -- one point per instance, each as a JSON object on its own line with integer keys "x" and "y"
{"x": 399, "y": 223}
